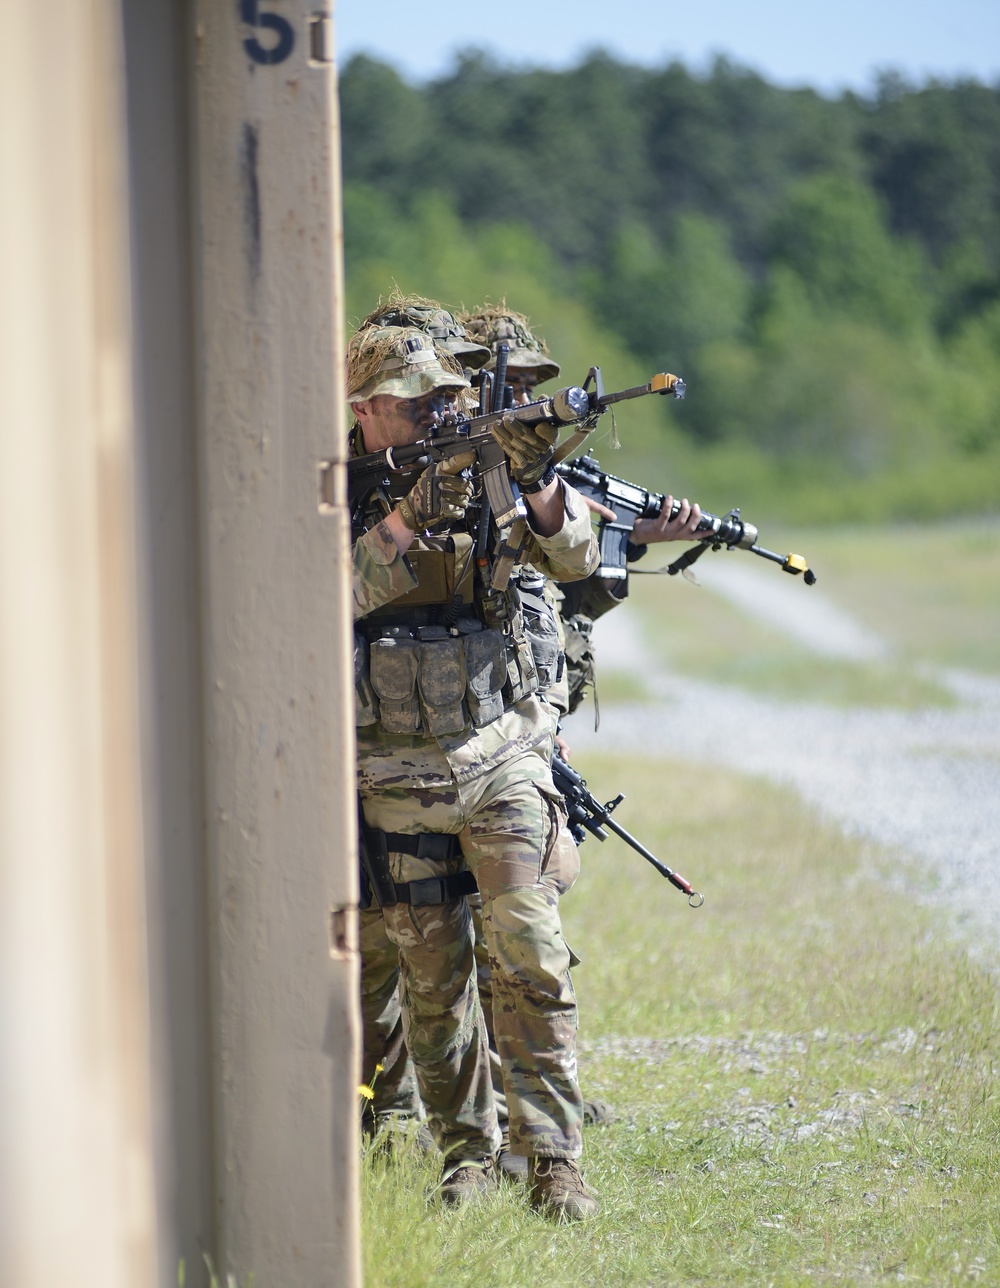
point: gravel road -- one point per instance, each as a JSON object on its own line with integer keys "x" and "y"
{"x": 924, "y": 782}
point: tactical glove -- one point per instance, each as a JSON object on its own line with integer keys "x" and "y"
{"x": 439, "y": 496}
{"x": 528, "y": 446}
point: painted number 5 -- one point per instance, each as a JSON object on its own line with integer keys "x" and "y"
{"x": 281, "y": 27}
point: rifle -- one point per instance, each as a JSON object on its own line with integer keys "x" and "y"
{"x": 585, "y": 474}
{"x": 587, "y": 814}
{"x": 576, "y": 405}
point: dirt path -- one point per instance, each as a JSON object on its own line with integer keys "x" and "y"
{"x": 927, "y": 782}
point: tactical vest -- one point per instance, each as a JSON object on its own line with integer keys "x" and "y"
{"x": 443, "y": 657}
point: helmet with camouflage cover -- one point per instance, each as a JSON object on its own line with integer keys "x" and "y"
{"x": 496, "y": 324}
{"x": 432, "y": 317}
{"x": 400, "y": 361}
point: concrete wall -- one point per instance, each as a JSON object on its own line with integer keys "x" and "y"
{"x": 159, "y": 44}
{"x": 76, "y": 1186}
{"x": 273, "y": 622}
{"x": 178, "y": 972}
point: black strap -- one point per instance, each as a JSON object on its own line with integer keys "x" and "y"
{"x": 437, "y": 846}
{"x": 429, "y": 891}
{"x": 435, "y": 890}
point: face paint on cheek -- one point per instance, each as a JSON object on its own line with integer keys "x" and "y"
{"x": 429, "y": 411}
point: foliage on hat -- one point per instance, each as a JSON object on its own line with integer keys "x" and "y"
{"x": 374, "y": 348}
{"x": 493, "y": 324}
{"x": 398, "y": 309}
{"x": 367, "y": 351}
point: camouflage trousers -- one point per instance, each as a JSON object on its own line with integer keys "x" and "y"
{"x": 386, "y": 1066}
{"x": 511, "y": 828}
{"x": 484, "y": 982}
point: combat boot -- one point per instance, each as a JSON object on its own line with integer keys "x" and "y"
{"x": 465, "y": 1179}
{"x": 557, "y": 1189}
{"x": 513, "y": 1165}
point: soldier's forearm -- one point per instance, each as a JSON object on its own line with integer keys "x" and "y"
{"x": 570, "y": 553}
{"x": 401, "y": 534}
{"x": 546, "y": 509}
{"x": 381, "y": 571}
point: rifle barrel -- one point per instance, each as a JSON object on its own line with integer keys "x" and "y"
{"x": 673, "y": 877}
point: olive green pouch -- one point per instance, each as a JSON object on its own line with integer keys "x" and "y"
{"x": 394, "y": 665}
{"x": 365, "y": 701}
{"x": 485, "y": 670}
{"x": 441, "y": 681}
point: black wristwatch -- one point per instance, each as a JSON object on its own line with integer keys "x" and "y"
{"x": 540, "y": 484}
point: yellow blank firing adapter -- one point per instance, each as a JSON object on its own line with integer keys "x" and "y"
{"x": 795, "y": 564}
{"x": 664, "y": 383}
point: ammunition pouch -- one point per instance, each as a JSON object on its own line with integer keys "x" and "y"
{"x": 581, "y": 663}
{"x": 485, "y": 674}
{"x": 436, "y": 662}
{"x": 431, "y": 680}
{"x": 393, "y": 665}
{"x": 541, "y": 629}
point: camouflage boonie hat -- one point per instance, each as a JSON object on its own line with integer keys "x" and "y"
{"x": 435, "y": 320}
{"x": 401, "y": 362}
{"x": 496, "y": 324}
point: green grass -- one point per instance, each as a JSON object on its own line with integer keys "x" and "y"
{"x": 698, "y": 634}
{"x": 932, "y": 590}
{"x": 932, "y": 593}
{"x": 805, "y": 1071}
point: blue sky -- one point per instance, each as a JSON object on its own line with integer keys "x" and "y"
{"x": 829, "y": 46}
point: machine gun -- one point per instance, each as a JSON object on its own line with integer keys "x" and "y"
{"x": 579, "y": 405}
{"x": 587, "y": 814}
{"x": 629, "y": 502}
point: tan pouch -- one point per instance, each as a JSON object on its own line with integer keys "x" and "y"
{"x": 441, "y": 681}
{"x": 394, "y": 665}
{"x": 444, "y": 567}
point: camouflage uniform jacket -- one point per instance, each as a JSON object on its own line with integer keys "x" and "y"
{"x": 414, "y": 761}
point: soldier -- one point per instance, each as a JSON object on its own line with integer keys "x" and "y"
{"x": 529, "y": 365}
{"x": 386, "y": 1067}
{"x": 453, "y": 766}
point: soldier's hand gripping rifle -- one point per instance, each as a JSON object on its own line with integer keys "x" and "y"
{"x": 630, "y": 502}
{"x": 579, "y": 405}
{"x": 587, "y": 814}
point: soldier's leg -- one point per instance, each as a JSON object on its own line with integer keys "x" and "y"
{"x": 443, "y": 1021}
{"x": 443, "y": 1026}
{"x": 524, "y": 859}
{"x": 484, "y": 981}
{"x": 395, "y": 1083}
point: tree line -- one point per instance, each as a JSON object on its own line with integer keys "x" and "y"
{"x": 825, "y": 272}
